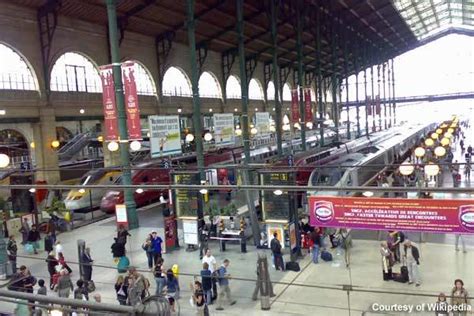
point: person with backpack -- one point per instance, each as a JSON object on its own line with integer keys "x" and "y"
{"x": 206, "y": 280}
{"x": 275, "y": 247}
{"x": 172, "y": 284}
{"x": 459, "y": 298}
{"x": 118, "y": 249}
{"x": 412, "y": 261}
{"x": 224, "y": 289}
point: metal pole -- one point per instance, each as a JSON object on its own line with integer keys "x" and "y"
{"x": 393, "y": 93}
{"x": 245, "y": 122}
{"x": 335, "y": 107}
{"x": 378, "y": 94}
{"x": 389, "y": 95}
{"x": 356, "y": 69}
{"x": 299, "y": 30}
{"x": 365, "y": 91}
{"x": 320, "y": 77}
{"x": 122, "y": 118}
{"x": 276, "y": 81}
{"x": 346, "y": 70}
{"x": 373, "y": 96}
{"x": 384, "y": 96}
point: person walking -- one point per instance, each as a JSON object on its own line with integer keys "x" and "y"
{"x": 122, "y": 235}
{"x": 172, "y": 285}
{"x": 33, "y": 238}
{"x": 52, "y": 263}
{"x": 459, "y": 237}
{"x": 24, "y": 230}
{"x": 316, "y": 244}
{"x": 137, "y": 287}
{"x": 412, "y": 261}
{"x": 160, "y": 278}
{"x": 148, "y": 248}
{"x": 65, "y": 285}
{"x": 206, "y": 282}
{"x": 63, "y": 263}
{"x": 156, "y": 242}
{"x": 275, "y": 247}
{"x": 49, "y": 242}
{"x": 58, "y": 248}
{"x": 224, "y": 289}
{"x": 460, "y": 298}
{"x": 212, "y": 265}
{"x": 86, "y": 262}
{"x": 121, "y": 288}
{"x": 197, "y": 298}
{"x": 387, "y": 261}
{"x": 12, "y": 250}
{"x": 118, "y": 249}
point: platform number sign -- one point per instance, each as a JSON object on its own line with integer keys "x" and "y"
{"x": 185, "y": 200}
{"x": 276, "y": 207}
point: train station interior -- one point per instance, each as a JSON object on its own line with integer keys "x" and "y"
{"x": 317, "y": 155}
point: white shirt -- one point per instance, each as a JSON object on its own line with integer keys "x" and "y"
{"x": 58, "y": 248}
{"x": 211, "y": 261}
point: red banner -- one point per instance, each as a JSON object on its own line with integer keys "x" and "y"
{"x": 131, "y": 101}
{"x": 377, "y": 105}
{"x": 307, "y": 105}
{"x": 295, "y": 111}
{"x": 108, "y": 102}
{"x": 422, "y": 215}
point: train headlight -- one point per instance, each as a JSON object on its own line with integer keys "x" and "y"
{"x": 139, "y": 190}
{"x": 278, "y": 192}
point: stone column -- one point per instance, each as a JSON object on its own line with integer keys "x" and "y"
{"x": 46, "y": 157}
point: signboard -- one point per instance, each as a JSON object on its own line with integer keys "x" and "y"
{"x": 293, "y": 239}
{"x": 131, "y": 101}
{"x": 307, "y": 105}
{"x": 224, "y": 129}
{"x": 108, "y": 102}
{"x": 165, "y": 138}
{"x": 276, "y": 207}
{"x": 121, "y": 215}
{"x": 280, "y": 235}
{"x": 262, "y": 123}
{"x": 190, "y": 231}
{"x": 422, "y": 215}
{"x": 185, "y": 200}
{"x": 295, "y": 109}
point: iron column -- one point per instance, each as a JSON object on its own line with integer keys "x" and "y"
{"x": 378, "y": 94}
{"x": 389, "y": 88}
{"x": 373, "y": 96}
{"x": 346, "y": 70}
{"x": 299, "y": 27}
{"x": 365, "y": 91}
{"x": 393, "y": 93}
{"x": 384, "y": 97}
{"x": 356, "y": 69}
{"x": 320, "y": 77}
{"x": 276, "y": 81}
{"x": 121, "y": 115}
{"x": 335, "y": 107}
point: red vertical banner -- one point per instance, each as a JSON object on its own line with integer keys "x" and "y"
{"x": 307, "y": 105}
{"x": 108, "y": 102}
{"x": 368, "y": 105}
{"x": 295, "y": 111}
{"x": 131, "y": 101}
{"x": 377, "y": 105}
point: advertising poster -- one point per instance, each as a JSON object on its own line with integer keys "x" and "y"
{"x": 307, "y": 105}
{"x": 262, "y": 123}
{"x": 108, "y": 103}
{"x": 190, "y": 230}
{"x": 170, "y": 232}
{"x": 275, "y": 229}
{"x": 185, "y": 200}
{"x": 224, "y": 129}
{"x": 295, "y": 109}
{"x": 131, "y": 101}
{"x": 421, "y": 215}
{"x": 165, "y": 138}
{"x": 293, "y": 239}
{"x": 121, "y": 215}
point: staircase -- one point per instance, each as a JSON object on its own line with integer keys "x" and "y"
{"x": 75, "y": 145}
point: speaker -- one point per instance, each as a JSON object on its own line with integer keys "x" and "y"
{"x": 22, "y": 199}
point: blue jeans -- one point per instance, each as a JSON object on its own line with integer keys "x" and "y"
{"x": 315, "y": 253}
{"x": 149, "y": 255}
{"x": 160, "y": 284}
{"x": 208, "y": 295}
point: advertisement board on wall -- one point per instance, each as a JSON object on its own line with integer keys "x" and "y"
{"x": 262, "y": 123}
{"x": 185, "y": 200}
{"x": 165, "y": 135}
{"x": 224, "y": 129}
{"x": 422, "y": 215}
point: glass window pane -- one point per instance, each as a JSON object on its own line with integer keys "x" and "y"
{"x": 15, "y": 74}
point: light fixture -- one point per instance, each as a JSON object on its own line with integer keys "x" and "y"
{"x": 309, "y": 125}
{"x": 286, "y": 119}
{"x": 235, "y": 109}
{"x": 287, "y": 109}
{"x": 208, "y": 137}
{"x": 278, "y": 192}
{"x": 429, "y": 142}
{"x": 444, "y": 125}
{"x": 272, "y": 128}
{"x": 203, "y": 191}
{"x": 55, "y": 144}
{"x": 273, "y": 109}
{"x": 253, "y": 131}
{"x": 238, "y": 132}
{"x": 440, "y": 151}
{"x": 135, "y": 145}
{"x": 448, "y": 135}
{"x": 210, "y": 110}
{"x": 439, "y": 131}
{"x": 256, "y": 109}
{"x": 82, "y": 191}
{"x": 431, "y": 169}
{"x": 55, "y": 312}
{"x": 237, "y": 126}
{"x": 3, "y": 112}
{"x": 419, "y": 152}
{"x": 406, "y": 169}
{"x": 450, "y": 130}
{"x": 32, "y": 145}
{"x": 286, "y": 127}
{"x": 100, "y": 138}
{"x": 445, "y": 141}
{"x": 252, "y": 126}
{"x": 189, "y": 137}
{"x": 297, "y": 126}
{"x": 82, "y": 111}
{"x": 368, "y": 194}
{"x": 179, "y": 110}
{"x": 4, "y": 160}
{"x": 148, "y": 134}
{"x": 113, "y": 146}
{"x": 434, "y": 135}
{"x": 32, "y": 190}
{"x": 139, "y": 191}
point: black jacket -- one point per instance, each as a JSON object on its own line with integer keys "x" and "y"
{"x": 118, "y": 250}
{"x": 33, "y": 236}
{"x": 52, "y": 263}
{"x": 275, "y": 246}
{"x": 414, "y": 252}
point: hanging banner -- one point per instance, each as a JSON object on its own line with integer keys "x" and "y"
{"x": 131, "y": 101}
{"x": 421, "y": 215}
{"x": 224, "y": 129}
{"x": 295, "y": 109}
{"x": 377, "y": 105}
{"x": 108, "y": 103}
{"x": 165, "y": 138}
{"x": 262, "y": 123}
{"x": 307, "y": 105}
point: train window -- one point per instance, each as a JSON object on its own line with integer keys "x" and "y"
{"x": 328, "y": 177}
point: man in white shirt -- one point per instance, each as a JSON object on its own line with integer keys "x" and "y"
{"x": 211, "y": 261}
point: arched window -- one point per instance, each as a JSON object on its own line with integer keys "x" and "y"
{"x": 15, "y": 74}
{"x": 75, "y": 72}
{"x": 209, "y": 86}
{"x": 233, "y": 89}
{"x": 270, "y": 91}
{"x": 286, "y": 92}
{"x": 255, "y": 90}
{"x": 144, "y": 81}
{"x": 176, "y": 83}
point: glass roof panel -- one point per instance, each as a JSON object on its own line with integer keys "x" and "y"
{"x": 426, "y": 18}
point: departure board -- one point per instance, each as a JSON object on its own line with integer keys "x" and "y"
{"x": 185, "y": 200}
{"x": 276, "y": 207}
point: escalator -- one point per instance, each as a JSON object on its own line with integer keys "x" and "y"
{"x": 75, "y": 145}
